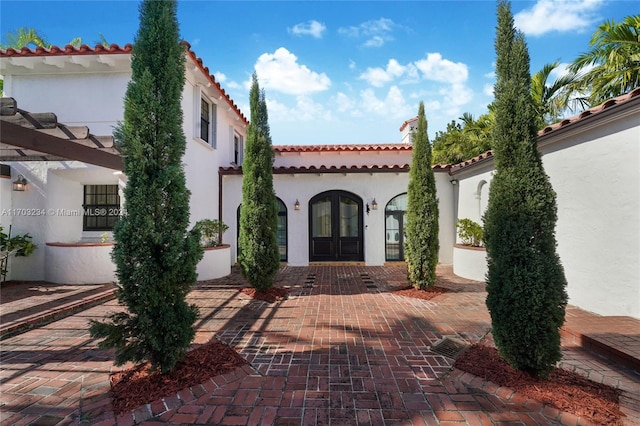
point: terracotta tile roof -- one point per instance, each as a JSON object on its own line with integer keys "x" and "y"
{"x": 335, "y": 148}
{"x": 205, "y": 70}
{"x": 578, "y": 118}
{"x": 99, "y": 49}
{"x": 406, "y": 123}
{"x": 386, "y": 168}
{"x": 115, "y": 49}
{"x": 619, "y": 100}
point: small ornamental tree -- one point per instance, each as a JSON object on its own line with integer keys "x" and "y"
{"x": 259, "y": 257}
{"x": 526, "y": 286}
{"x": 422, "y": 245}
{"x": 155, "y": 255}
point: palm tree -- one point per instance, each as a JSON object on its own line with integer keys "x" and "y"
{"x": 25, "y": 37}
{"x": 612, "y": 66}
{"x": 552, "y": 99}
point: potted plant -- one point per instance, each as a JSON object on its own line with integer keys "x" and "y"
{"x": 470, "y": 257}
{"x": 20, "y": 245}
{"x": 211, "y": 231}
{"x": 469, "y": 232}
{"x": 216, "y": 261}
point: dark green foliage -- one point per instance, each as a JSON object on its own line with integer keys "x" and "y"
{"x": 155, "y": 255}
{"x": 422, "y": 244}
{"x": 525, "y": 282}
{"x": 259, "y": 257}
{"x": 462, "y": 141}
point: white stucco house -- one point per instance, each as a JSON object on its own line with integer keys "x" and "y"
{"x": 337, "y": 203}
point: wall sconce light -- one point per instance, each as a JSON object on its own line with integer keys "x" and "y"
{"x": 454, "y": 181}
{"x": 20, "y": 184}
{"x": 373, "y": 206}
{"x": 296, "y": 206}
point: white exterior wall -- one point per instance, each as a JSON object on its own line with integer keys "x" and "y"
{"x": 597, "y": 180}
{"x": 303, "y": 187}
{"x": 473, "y": 192}
{"x": 93, "y": 100}
{"x": 593, "y": 170}
{"x": 86, "y": 91}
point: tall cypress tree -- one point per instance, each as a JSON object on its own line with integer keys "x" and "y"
{"x": 526, "y": 285}
{"x": 259, "y": 257}
{"x": 155, "y": 255}
{"x": 422, "y": 244}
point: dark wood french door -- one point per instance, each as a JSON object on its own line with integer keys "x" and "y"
{"x": 336, "y": 227}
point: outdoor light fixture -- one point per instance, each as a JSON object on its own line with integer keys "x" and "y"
{"x": 454, "y": 181}
{"x": 20, "y": 184}
{"x": 296, "y": 206}
{"x": 373, "y": 206}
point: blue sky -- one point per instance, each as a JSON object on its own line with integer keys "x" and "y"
{"x": 342, "y": 71}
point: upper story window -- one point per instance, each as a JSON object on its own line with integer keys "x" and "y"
{"x": 237, "y": 149}
{"x": 101, "y": 207}
{"x": 206, "y": 125}
{"x": 205, "y": 120}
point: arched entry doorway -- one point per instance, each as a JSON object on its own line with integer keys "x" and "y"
{"x": 395, "y": 214}
{"x": 336, "y": 227}
{"x": 281, "y": 231}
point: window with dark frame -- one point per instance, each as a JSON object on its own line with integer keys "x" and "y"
{"x": 101, "y": 207}
{"x": 205, "y": 119}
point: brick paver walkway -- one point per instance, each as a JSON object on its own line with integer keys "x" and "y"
{"x": 341, "y": 349}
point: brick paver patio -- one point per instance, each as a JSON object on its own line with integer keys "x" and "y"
{"x": 341, "y": 349}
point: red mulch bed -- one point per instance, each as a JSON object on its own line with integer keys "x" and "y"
{"x": 137, "y": 386}
{"x": 271, "y": 295}
{"x": 567, "y": 391}
{"x": 426, "y": 294}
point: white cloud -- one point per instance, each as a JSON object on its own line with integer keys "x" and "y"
{"x": 378, "y": 76}
{"x": 487, "y": 89}
{"x": 561, "y": 16}
{"x": 281, "y": 72}
{"x": 344, "y": 103}
{"x": 305, "y": 109}
{"x": 313, "y": 28}
{"x": 352, "y": 65}
{"x": 443, "y": 70}
{"x": 377, "y": 32}
{"x": 392, "y": 106}
{"x": 375, "y": 41}
{"x": 220, "y": 77}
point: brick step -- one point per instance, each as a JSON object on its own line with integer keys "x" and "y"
{"x": 603, "y": 347}
{"x": 24, "y": 324}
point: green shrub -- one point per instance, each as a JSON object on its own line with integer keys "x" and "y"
{"x": 19, "y": 246}
{"x": 526, "y": 286}
{"x": 211, "y": 232}
{"x": 155, "y": 255}
{"x": 422, "y": 244}
{"x": 469, "y": 232}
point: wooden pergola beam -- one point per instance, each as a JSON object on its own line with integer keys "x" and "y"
{"x": 31, "y": 139}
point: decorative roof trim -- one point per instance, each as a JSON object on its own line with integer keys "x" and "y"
{"x": 570, "y": 122}
{"x": 591, "y": 112}
{"x": 114, "y": 49}
{"x": 407, "y": 122}
{"x": 99, "y": 49}
{"x": 342, "y": 148}
{"x": 205, "y": 70}
{"x": 395, "y": 168}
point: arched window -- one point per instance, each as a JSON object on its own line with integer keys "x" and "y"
{"x": 395, "y": 214}
{"x": 483, "y": 198}
{"x": 281, "y": 230}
